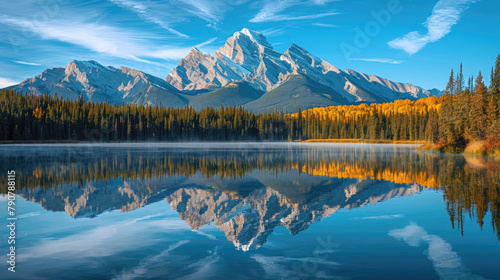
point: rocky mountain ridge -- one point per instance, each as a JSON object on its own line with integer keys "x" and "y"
{"x": 99, "y": 83}
{"x": 246, "y": 71}
{"x": 249, "y": 57}
{"x": 246, "y": 209}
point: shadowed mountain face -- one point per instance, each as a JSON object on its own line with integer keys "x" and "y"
{"x": 247, "y": 190}
{"x": 234, "y": 94}
{"x": 296, "y": 91}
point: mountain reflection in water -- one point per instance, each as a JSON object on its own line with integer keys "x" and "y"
{"x": 249, "y": 190}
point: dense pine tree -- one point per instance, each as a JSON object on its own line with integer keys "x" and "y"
{"x": 494, "y": 100}
{"x": 453, "y": 120}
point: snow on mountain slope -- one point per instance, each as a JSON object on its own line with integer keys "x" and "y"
{"x": 201, "y": 71}
{"x": 265, "y": 69}
{"x": 244, "y": 56}
{"x": 295, "y": 78}
{"x": 386, "y": 89}
{"x": 99, "y": 83}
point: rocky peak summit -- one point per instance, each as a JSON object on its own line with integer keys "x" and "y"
{"x": 247, "y": 48}
{"x": 98, "y": 83}
{"x": 255, "y": 36}
{"x": 248, "y": 56}
{"x": 245, "y": 68}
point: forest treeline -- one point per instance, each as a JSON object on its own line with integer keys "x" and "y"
{"x": 465, "y": 114}
{"x": 44, "y": 117}
{"x": 470, "y": 184}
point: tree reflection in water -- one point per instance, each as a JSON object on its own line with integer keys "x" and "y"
{"x": 262, "y": 185}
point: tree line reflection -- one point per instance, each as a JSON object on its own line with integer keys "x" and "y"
{"x": 471, "y": 184}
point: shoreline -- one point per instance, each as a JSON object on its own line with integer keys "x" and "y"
{"x": 472, "y": 148}
{"x": 309, "y": 141}
{"x": 363, "y": 141}
{"x": 481, "y": 148}
{"x": 476, "y": 147}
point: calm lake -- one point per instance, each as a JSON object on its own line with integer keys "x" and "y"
{"x": 250, "y": 211}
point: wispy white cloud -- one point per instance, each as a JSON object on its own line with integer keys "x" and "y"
{"x": 174, "y": 256}
{"x": 207, "y": 235}
{"x": 324, "y": 25}
{"x": 273, "y": 31}
{"x": 445, "y": 14}
{"x": 147, "y": 14}
{"x": 102, "y": 39}
{"x": 412, "y": 234}
{"x": 381, "y": 217}
{"x": 211, "y": 11}
{"x": 268, "y": 18}
{"x": 204, "y": 268}
{"x": 6, "y": 82}
{"x": 381, "y": 60}
{"x": 99, "y": 242}
{"x": 446, "y": 262}
{"x": 98, "y": 38}
{"x": 205, "y": 10}
{"x": 27, "y": 63}
{"x": 323, "y": 2}
{"x": 270, "y": 11}
{"x": 168, "y": 53}
{"x": 108, "y": 235}
{"x": 104, "y": 240}
{"x": 271, "y": 8}
{"x": 207, "y": 42}
{"x": 282, "y": 267}
{"x": 29, "y": 215}
{"x": 144, "y": 265}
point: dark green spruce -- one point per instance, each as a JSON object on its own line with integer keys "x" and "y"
{"x": 467, "y": 114}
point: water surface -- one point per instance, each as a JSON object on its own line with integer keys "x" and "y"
{"x": 251, "y": 210}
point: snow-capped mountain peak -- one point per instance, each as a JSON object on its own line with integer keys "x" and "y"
{"x": 255, "y": 36}
{"x": 246, "y": 69}
{"x": 77, "y": 67}
{"x": 98, "y": 83}
{"x": 248, "y": 56}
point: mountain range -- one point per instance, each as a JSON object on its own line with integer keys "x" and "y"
{"x": 246, "y": 209}
{"x": 246, "y": 71}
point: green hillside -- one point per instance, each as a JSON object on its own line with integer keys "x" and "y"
{"x": 233, "y": 94}
{"x": 297, "y": 91}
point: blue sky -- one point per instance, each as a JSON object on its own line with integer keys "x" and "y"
{"x": 402, "y": 40}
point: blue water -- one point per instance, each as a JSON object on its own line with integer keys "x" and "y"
{"x": 239, "y": 212}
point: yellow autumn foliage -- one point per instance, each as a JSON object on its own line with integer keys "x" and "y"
{"x": 348, "y": 112}
{"x": 345, "y": 170}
